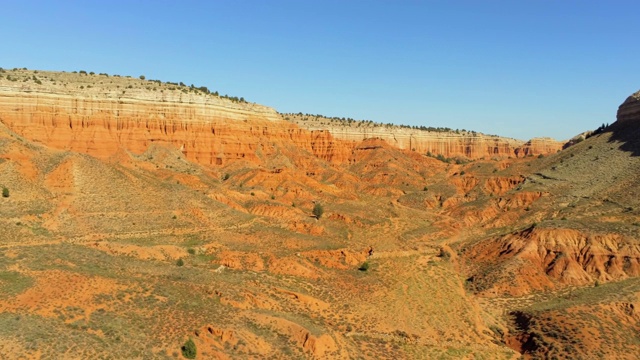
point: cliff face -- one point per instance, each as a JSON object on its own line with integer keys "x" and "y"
{"x": 208, "y": 133}
{"x": 629, "y": 111}
{"x": 99, "y": 115}
{"x": 448, "y": 143}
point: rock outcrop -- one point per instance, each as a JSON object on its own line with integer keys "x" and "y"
{"x": 629, "y": 111}
{"x": 466, "y": 144}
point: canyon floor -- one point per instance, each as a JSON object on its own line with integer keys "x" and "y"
{"x": 132, "y": 252}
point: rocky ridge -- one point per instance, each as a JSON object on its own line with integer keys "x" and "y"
{"x": 447, "y": 142}
{"x": 98, "y": 114}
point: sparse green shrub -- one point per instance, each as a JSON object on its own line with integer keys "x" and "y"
{"x": 540, "y": 156}
{"x": 191, "y": 251}
{"x": 226, "y": 177}
{"x": 444, "y": 254}
{"x": 318, "y": 210}
{"x": 180, "y": 262}
{"x": 425, "y": 189}
{"x": 462, "y": 173}
{"x": 5, "y": 192}
{"x": 189, "y": 349}
{"x": 142, "y": 77}
{"x": 364, "y": 266}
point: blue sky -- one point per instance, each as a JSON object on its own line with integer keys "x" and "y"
{"x": 513, "y": 68}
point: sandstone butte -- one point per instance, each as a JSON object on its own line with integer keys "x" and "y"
{"x": 98, "y": 119}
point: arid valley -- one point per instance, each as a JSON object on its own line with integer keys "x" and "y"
{"x": 145, "y": 219}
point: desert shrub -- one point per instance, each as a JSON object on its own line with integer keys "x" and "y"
{"x": 226, "y": 176}
{"x": 425, "y": 189}
{"x": 180, "y": 262}
{"x": 191, "y": 251}
{"x": 444, "y": 254}
{"x": 189, "y": 349}
{"x": 540, "y": 156}
{"x": 142, "y": 77}
{"x": 364, "y": 266}
{"x": 5, "y": 192}
{"x": 318, "y": 210}
{"x": 462, "y": 173}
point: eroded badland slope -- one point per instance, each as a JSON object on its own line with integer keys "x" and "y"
{"x": 141, "y": 214}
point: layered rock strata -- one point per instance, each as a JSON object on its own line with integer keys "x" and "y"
{"x": 629, "y": 111}
{"x": 100, "y": 115}
{"x": 450, "y": 144}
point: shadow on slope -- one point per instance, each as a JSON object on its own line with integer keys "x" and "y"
{"x": 627, "y": 133}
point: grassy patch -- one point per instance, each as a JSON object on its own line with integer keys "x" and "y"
{"x": 13, "y": 283}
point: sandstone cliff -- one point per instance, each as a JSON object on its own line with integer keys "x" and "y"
{"x": 98, "y": 115}
{"x": 629, "y": 111}
{"x": 468, "y": 144}
{"x": 102, "y": 118}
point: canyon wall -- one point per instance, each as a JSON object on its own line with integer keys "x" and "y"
{"x": 209, "y": 130}
{"x": 99, "y": 115}
{"x": 449, "y": 144}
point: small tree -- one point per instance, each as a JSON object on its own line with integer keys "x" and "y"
{"x": 318, "y": 210}
{"x": 189, "y": 349}
{"x": 5, "y": 192}
{"x": 142, "y": 77}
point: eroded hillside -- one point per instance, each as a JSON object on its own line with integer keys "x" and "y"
{"x": 132, "y": 224}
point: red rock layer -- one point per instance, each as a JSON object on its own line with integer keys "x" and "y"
{"x": 209, "y": 131}
{"x": 207, "y": 134}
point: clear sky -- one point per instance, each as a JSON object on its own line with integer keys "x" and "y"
{"x": 514, "y": 68}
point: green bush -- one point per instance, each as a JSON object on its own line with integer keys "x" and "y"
{"x": 189, "y": 349}
{"x": 364, "y": 266}
{"x": 5, "y": 192}
{"x": 180, "y": 262}
{"x": 318, "y": 210}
